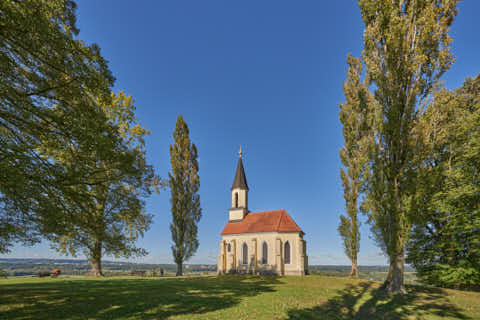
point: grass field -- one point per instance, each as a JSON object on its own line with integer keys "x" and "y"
{"x": 226, "y": 297}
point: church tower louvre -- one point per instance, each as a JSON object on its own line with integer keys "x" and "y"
{"x": 239, "y": 189}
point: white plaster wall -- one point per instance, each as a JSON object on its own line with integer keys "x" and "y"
{"x": 242, "y": 198}
{"x": 237, "y": 214}
{"x": 296, "y": 265}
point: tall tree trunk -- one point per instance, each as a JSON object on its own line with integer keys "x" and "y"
{"x": 179, "y": 269}
{"x": 394, "y": 281}
{"x": 96, "y": 259}
{"x": 389, "y": 276}
{"x": 354, "y": 272}
{"x": 356, "y": 243}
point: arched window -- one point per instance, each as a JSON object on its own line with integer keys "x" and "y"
{"x": 245, "y": 253}
{"x": 287, "y": 253}
{"x": 264, "y": 253}
{"x": 236, "y": 199}
{"x": 229, "y": 247}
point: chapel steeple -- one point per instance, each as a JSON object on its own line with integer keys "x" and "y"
{"x": 240, "y": 181}
{"x": 239, "y": 190}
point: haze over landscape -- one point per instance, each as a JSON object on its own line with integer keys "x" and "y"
{"x": 269, "y": 79}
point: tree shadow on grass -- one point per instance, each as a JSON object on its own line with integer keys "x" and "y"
{"x": 125, "y": 298}
{"x": 366, "y": 301}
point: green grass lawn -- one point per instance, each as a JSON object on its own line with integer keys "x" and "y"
{"x": 226, "y": 297}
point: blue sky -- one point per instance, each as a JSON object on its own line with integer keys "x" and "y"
{"x": 265, "y": 75}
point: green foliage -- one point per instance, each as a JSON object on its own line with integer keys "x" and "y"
{"x": 445, "y": 240}
{"x": 356, "y": 118}
{"x": 49, "y": 84}
{"x": 184, "y": 185}
{"x": 112, "y": 216}
{"x": 72, "y": 156}
{"x": 349, "y": 243}
{"x": 462, "y": 275}
{"x": 406, "y": 50}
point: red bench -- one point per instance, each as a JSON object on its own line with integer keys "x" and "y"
{"x": 56, "y": 273}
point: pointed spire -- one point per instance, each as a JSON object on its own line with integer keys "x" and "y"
{"x": 240, "y": 181}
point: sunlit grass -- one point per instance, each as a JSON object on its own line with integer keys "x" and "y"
{"x": 226, "y": 297}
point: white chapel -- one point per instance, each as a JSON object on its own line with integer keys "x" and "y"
{"x": 267, "y": 242}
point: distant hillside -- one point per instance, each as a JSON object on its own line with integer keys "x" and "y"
{"x": 42, "y": 260}
{"x": 25, "y": 267}
{"x": 30, "y": 266}
{"x": 361, "y": 268}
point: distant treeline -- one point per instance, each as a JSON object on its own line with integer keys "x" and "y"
{"x": 376, "y": 273}
{"x": 361, "y": 268}
{"x": 25, "y": 267}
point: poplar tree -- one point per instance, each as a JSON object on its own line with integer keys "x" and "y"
{"x": 356, "y": 120}
{"x": 406, "y": 51}
{"x": 185, "y": 201}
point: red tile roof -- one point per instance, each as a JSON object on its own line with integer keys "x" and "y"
{"x": 266, "y": 221}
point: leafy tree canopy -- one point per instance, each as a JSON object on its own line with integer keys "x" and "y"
{"x": 445, "y": 243}
{"x": 50, "y": 82}
{"x": 406, "y": 51}
{"x": 113, "y": 216}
